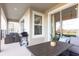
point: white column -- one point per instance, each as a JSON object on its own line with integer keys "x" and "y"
{"x": 78, "y": 11}
{"x": 49, "y": 27}
{"x": 78, "y": 18}
{"x": 53, "y": 29}
{"x": 0, "y": 28}
{"x": 61, "y": 31}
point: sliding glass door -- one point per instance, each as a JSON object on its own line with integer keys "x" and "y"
{"x": 65, "y": 22}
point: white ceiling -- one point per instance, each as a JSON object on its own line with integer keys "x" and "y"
{"x": 14, "y": 11}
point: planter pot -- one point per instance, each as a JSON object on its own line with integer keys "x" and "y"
{"x": 53, "y": 43}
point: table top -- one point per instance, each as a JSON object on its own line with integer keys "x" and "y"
{"x": 44, "y": 49}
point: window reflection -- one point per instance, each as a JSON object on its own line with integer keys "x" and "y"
{"x": 13, "y": 27}
{"x": 65, "y": 22}
{"x": 70, "y": 27}
{"x": 37, "y": 25}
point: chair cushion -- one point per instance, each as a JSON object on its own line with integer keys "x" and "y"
{"x": 64, "y": 39}
{"x": 74, "y": 41}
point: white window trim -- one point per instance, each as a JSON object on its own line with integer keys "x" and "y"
{"x": 55, "y": 11}
{"x": 40, "y": 14}
{"x": 20, "y": 24}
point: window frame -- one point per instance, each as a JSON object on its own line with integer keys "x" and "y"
{"x": 22, "y": 25}
{"x": 33, "y": 19}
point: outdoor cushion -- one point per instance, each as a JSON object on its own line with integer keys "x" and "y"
{"x": 64, "y": 39}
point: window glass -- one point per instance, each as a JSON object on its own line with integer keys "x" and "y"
{"x": 37, "y": 25}
{"x": 70, "y": 21}
{"x": 69, "y": 13}
{"x": 13, "y": 27}
{"x": 70, "y": 27}
{"x": 22, "y": 26}
{"x": 38, "y": 19}
{"x": 38, "y": 30}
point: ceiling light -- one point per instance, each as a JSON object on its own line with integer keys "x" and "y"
{"x": 76, "y": 8}
{"x": 15, "y": 8}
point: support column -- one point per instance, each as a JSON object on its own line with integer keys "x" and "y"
{"x": 49, "y": 27}
{"x": 53, "y": 26}
{"x": 77, "y": 17}
{"x": 78, "y": 11}
{"x": 0, "y": 28}
{"x": 61, "y": 31}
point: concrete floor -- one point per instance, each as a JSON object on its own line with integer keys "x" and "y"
{"x": 13, "y": 49}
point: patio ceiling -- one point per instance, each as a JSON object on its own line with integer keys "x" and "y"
{"x": 14, "y": 11}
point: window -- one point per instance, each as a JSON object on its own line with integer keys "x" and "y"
{"x": 37, "y": 25}
{"x": 69, "y": 13}
{"x": 70, "y": 21}
{"x": 22, "y": 26}
{"x": 71, "y": 27}
{"x": 13, "y": 27}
